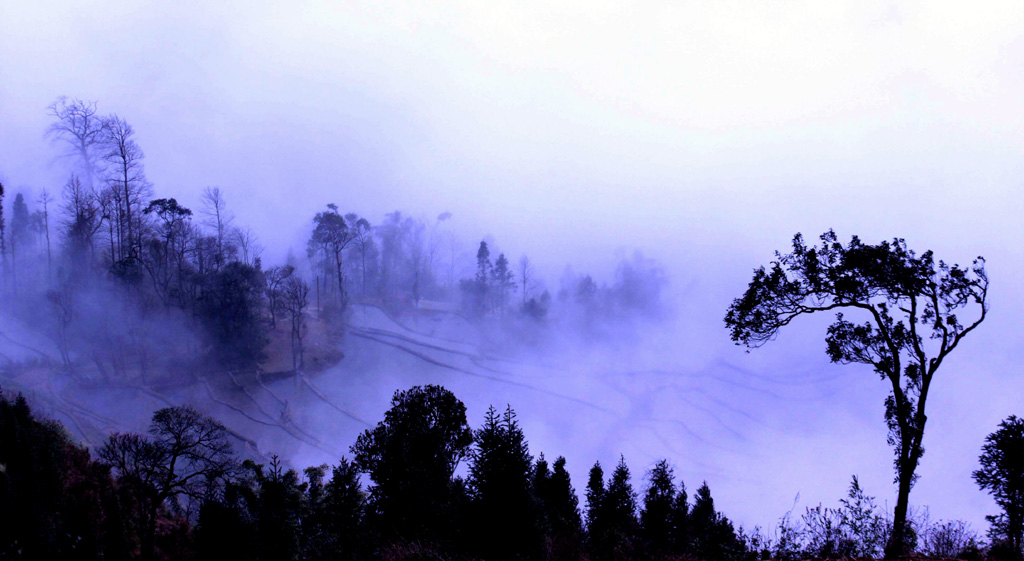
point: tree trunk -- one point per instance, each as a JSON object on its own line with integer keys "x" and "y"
{"x": 273, "y": 312}
{"x": 897, "y": 545}
{"x": 341, "y": 282}
{"x": 128, "y": 212}
{"x": 148, "y": 537}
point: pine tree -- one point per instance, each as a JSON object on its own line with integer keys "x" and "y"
{"x": 713, "y": 535}
{"x": 314, "y": 535}
{"x": 344, "y": 507}
{"x": 619, "y": 510}
{"x": 563, "y": 498}
{"x": 278, "y": 510}
{"x": 500, "y": 479}
{"x": 479, "y": 289}
{"x": 656, "y": 516}
{"x": 502, "y": 282}
{"x": 558, "y": 506}
{"x": 702, "y": 520}
{"x": 680, "y": 521}
{"x": 595, "y": 497}
{"x": 542, "y": 492}
{"x": 20, "y": 223}
{"x": 483, "y": 264}
{"x": 566, "y": 534}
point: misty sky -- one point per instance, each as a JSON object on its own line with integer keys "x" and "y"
{"x": 705, "y": 134}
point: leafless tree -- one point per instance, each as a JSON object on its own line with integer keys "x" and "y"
{"x": 218, "y": 217}
{"x": 108, "y": 210}
{"x": 453, "y": 248}
{"x": 418, "y": 263}
{"x": 81, "y": 216}
{"x": 435, "y": 241}
{"x": 276, "y": 277}
{"x": 81, "y": 129}
{"x": 526, "y": 279}
{"x": 187, "y": 459}
{"x": 45, "y": 199}
{"x": 294, "y": 301}
{"x": 247, "y": 242}
{"x": 61, "y": 304}
{"x": 127, "y": 182}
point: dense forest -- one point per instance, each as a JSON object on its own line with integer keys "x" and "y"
{"x": 180, "y": 493}
{"x": 138, "y": 291}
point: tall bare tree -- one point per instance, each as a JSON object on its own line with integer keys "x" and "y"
{"x": 295, "y": 300}
{"x": 127, "y": 181}
{"x": 108, "y": 212}
{"x": 62, "y": 306}
{"x": 526, "y": 276}
{"x": 435, "y": 242}
{"x": 82, "y": 216}
{"x": 219, "y": 218}
{"x": 45, "y": 199}
{"x": 453, "y": 247}
{"x": 276, "y": 277}
{"x": 81, "y": 129}
{"x": 248, "y": 244}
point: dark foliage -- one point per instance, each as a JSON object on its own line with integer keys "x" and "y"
{"x": 411, "y": 458}
{"x": 911, "y": 304}
{"x": 656, "y": 517}
{"x": 185, "y": 461}
{"x": 558, "y": 510}
{"x": 1002, "y": 475}
{"x": 231, "y": 310}
{"x": 613, "y": 528}
{"x": 179, "y": 493}
{"x": 505, "y": 518}
{"x": 679, "y": 522}
{"x": 55, "y": 503}
{"x": 326, "y": 246}
{"x": 712, "y": 534}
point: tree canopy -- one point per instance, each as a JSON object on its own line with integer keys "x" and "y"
{"x": 411, "y": 457}
{"x": 912, "y": 307}
{"x": 1002, "y": 475}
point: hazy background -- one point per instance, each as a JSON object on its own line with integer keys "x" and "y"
{"x": 705, "y": 134}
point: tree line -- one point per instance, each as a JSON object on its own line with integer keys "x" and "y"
{"x": 180, "y": 492}
{"x": 140, "y": 288}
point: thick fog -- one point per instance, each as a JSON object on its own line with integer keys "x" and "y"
{"x": 703, "y": 135}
